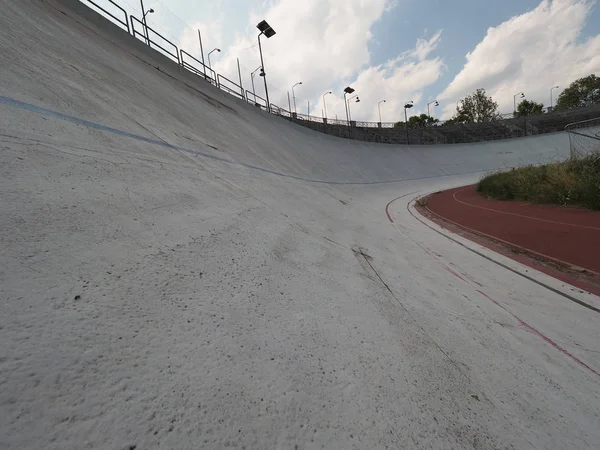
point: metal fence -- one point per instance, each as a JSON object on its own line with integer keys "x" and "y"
{"x": 172, "y": 53}
{"x": 229, "y": 86}
{"x": 199, "y": 69}
{"x": 257, "y": 100}
{"x": 584, "y": 137}
{"x": 503, "y": 127}
{"x": 124, "y": 22}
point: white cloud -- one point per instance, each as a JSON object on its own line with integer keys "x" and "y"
{"x": 324, "y": 44}
{"x": 212, "y": 36}
{"x": 531, "y": 52}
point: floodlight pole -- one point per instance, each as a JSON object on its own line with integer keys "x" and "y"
{"x": 213, "y": 50}
{"x": 406, "y": 125}
{"x": 262, "y": 64}
{"x": 202, "y": 53}
{"x": 379, "y": 109}
{"x": 252, "y": 78}
{"x": 324, "y": 105}
{"x": 240, "y": 75}
{"x": 551, "y": 101}
{"x": 522, "y": 94}
{"x": 347, "y": 115}
{"x": 348, "y": 107}
{"x": 145, "y": 24}
{"x": 294, "y": 96}
{"x": 436, "y": 104}
{"x": 406, "y": 106}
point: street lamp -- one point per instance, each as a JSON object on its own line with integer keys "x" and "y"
{"x": 252, "y": 78}
{"x": 551, "y": 102}
{"x": 431, "y": 103}
{"x": 515, "y": 101}
{"x": 144, "y": 14}
{"x": 347, "y": 91}
{"x": 348, "y": 103}
{"x": 324, "y": 105}
{"x": 379, "y": 109}
{"x": 213, "y": 50}
{"x": 150, "y": 11}
{"x": 407, "y": 106}
{"x": 294, "y": 95}
{"x": 266, "y": 30}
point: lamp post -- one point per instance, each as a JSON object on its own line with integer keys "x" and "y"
{"x": 213, "y": 50}
{"x": 551, "y": 101}
{"x": 407, "y": 106}
{"x": 252, "y": 78}
{"x": 266, "y": 30}
{"x": 348, "y": 103}
{"x": 144, "y": 14}
{"x": 431, "y": 103}
{"x": 294, "y": 95}
{"x": 379, "y": 109}
{"x": 347, "y": 91}
{"x": 324, "y": 105}
{"x": 515, "y": 101}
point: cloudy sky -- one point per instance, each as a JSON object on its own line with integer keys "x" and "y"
{"x": 393, "y": 50}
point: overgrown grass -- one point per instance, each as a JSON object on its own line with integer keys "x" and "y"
{"x": 573, "y": 182}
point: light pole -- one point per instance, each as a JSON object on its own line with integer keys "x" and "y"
{"x": 144, "y": 14}
{"x": 347, "y": 91}
{"x": 252, "y": 78}
{"x": 324, "y": 105}
{"x": 294, "y": 95}
{"x": 266, "y": 30}
{"x": 213, "y": 50}
{"x": 348, "y": 103}
{"x": 515, "y": 101}
{"x": 431, "y": 103}
{"x": 407, "y": 106}
{"x": 379, "y": 109}
{"x": 551, "y": 102}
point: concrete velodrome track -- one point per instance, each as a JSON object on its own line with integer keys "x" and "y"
{"x": 180, "y": 270}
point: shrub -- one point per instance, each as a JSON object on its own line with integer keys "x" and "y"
{"x": 572, "y": 182}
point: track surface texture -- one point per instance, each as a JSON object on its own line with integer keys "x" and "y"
{"x": 181, "y": 270}
{"x": 567, "y": 235}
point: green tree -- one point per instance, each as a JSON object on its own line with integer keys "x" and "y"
{"x": 529, "y": 108}
{"x": 422, "y": 120}
{"x": 477, "y": 107}
{"x": 582, "y": 92}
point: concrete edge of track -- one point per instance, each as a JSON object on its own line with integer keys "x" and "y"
{"x": 585, "y": 298}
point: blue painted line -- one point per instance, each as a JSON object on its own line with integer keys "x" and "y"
{"x": 48, "y": 112}
{"x": 98, "y": 126}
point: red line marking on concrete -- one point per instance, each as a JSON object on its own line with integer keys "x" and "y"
{"x": 519, "y": 215}
{"x": 540, "y": 335}
{"x": 521, "y": 322}
{"x": 454, "y": 273}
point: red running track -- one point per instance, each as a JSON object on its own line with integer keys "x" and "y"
{"x": 569, "y": 236}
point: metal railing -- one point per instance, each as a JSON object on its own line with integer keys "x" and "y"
{"x": 125, "y": 22}
{"x": 236, "y": 90}
{"x": 211, "y": 77}
{"x": 504, "y": 126}
{"x": 174, "y": 56}
{"x": 584, "y": 137}
{"x": 254, "y": 99}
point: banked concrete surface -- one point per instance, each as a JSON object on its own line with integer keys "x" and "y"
{"x": 181, "y": 270}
